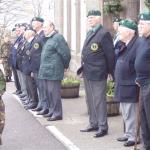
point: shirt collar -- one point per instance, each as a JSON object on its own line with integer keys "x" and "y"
{"x": 30, "y": 39}
{"x": 94, "y": 29}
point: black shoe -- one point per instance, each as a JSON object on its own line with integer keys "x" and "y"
{"x": 31, "y": 106}
{"x": 48, "y": 115}
{"x": 89, "y": 129}
{"x": 17, "y": 92}
{"x": 129, "y": 143}
{"x": 24, "y": 98}
{"x": 122, "y": 139}
{"x": 43, "y": 112}
{"x": 54, "y": 118}
{"x": 22, "y": 95}
{"x": 37, "y": 109}
{"x": 26, "y": 102}
{"x": 101, "y": 133}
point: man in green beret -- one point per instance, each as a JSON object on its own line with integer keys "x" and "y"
{"x": 97, "y": 63}
{"x": 126, "y": 90}
{"x": 2, "y": 106}
{"x": 142, "y": 67}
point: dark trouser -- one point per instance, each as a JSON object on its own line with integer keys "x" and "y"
{"x": 145, "y": 115}
{"x": 16, "y": 79}
{"x": 43, "y": 100}
{"x": 96, "y": 101}
{"x": 54, "y": 97}
{"x": 31, "y": 89}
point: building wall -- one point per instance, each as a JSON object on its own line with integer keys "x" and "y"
{"x": 70, "y": 19}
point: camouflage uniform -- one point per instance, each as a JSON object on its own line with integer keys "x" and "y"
{"x": 5, "y": 52}
{"x": 2, "y": 106}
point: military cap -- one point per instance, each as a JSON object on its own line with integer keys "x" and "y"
{"x": 94, "y": 13}
{"x": 17, "y": 25}
{"x": 24, "y": 25}
{"x": 38, "y": 19}
{"x": 117, "y": 20}
{"x": 13, "y": 29}
{"x": 128, "y": 24}
{"x": 144, "y": 16}
{"x": 30, "y": 28}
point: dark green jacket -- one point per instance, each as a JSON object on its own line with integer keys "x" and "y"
{"x": 55, "y": 58}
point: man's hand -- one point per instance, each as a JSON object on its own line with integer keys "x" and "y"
{"x": 137, "y": 83}
{"x": 32, "y": 75}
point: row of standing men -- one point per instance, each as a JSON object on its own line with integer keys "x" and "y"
{"x": 39, "y": 57}
{"x": 128, "y": 65}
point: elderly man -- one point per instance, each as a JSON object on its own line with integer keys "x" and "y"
{"x": 142, "y": 67}
{"x": 55, "y": 59}
{"x": 126, "y": 90}
{"x": 97, "y": 63}
{"x": 35, "y": 56}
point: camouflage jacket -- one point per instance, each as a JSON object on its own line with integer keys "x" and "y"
{"x": 5, "y": 50}
{"x": 2, "y": 83}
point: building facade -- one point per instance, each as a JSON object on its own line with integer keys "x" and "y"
{"x": 70, "y": 20}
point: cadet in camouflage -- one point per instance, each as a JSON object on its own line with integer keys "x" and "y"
{"x": 2, "y": 106}
{"x": 5, "y": 52}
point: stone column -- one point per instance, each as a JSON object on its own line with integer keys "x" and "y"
{"x": 58, "y": 15}
{"x": 78, "y": 21}
{"x": 69, "y": 22}
{"x": 132, "y": 9}
{"x": 142, "y": 6}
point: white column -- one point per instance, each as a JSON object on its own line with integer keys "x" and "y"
{"x": 58, "y": 15}
{"x": 78, "y": 22}
{"x": 73, "y": 25}
{"x": 69, "y": 23}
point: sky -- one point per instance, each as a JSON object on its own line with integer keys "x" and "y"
{"x": 27, "y": 8}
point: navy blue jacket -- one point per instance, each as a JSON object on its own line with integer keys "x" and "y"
{"x": 20, "y": 54}
{"x": 125, "y": 88}
{"x": 26, "y": 58}
{"x": 98, "y": 55}
{"x": 13, "y": 52}
{"x": 142, "y": 63}
{"x": 36, "y": 49}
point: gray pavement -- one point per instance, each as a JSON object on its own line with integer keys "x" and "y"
{"x": 23, "y": 131}
{"x": 76, "y": 118}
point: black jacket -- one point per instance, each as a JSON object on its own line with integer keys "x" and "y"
{"x": 98, "y": 55}
{"x": 35, "y": 52}
{"x": 142, "y": 63}
{"x": 125, "y": 88}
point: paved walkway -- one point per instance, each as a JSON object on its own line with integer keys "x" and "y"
{"x": 23, "y": 131}
{"x": 76, "y": 118}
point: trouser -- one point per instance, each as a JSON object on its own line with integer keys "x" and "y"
{"x": 129, "y": 116}
{"x": 54, "y": 97}
{"x": 22, "y": 80}
{"x": 16, "y": 79}
{"x": 31, "y": 88}
{"x": 96, "y": 101}
{"x": 145, "y": 114}
{"x": 43, "y": 100}
{"x": 7, "y": 68}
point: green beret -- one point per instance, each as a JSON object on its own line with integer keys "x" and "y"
{"x": 116, "y": 20}
{"x": 129, "y": 24}
{"x": 94, "y": 13}
{"x": 144, "y": 16}
{"x": 38, "y": 19}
